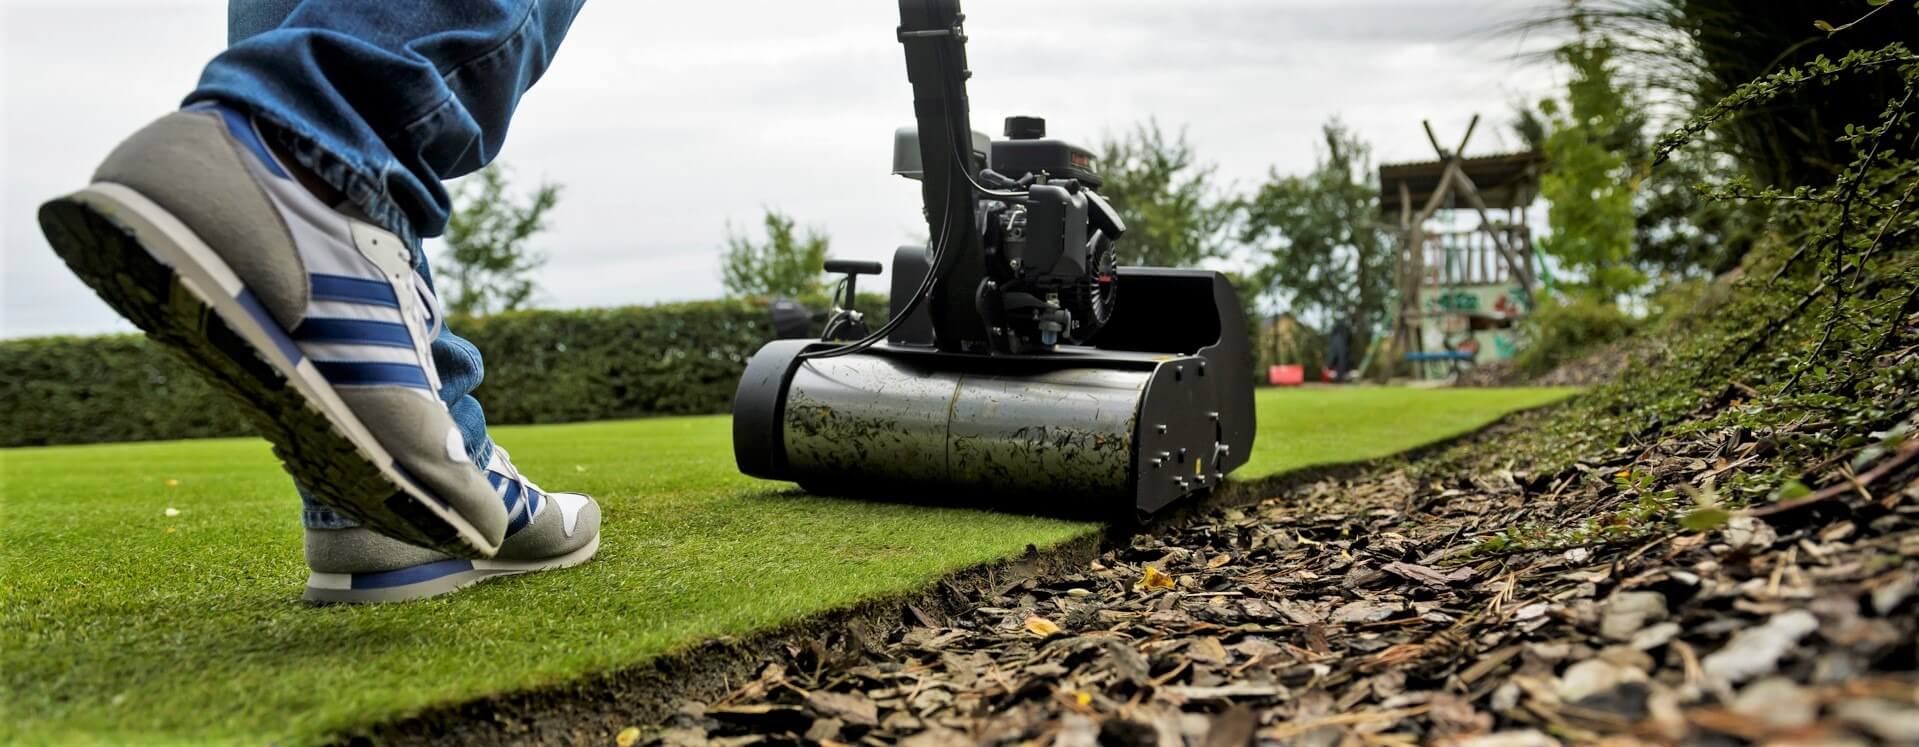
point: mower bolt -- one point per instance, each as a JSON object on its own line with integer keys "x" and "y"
{"x": 1214, "y": 416}
{"x": 1179, "y": 373}
{"x": 1160, "y": 428}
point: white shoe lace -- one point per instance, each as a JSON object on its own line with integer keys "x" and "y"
{"x": 435, "y": 312}
{"x": 435, "y": 322}
{"x": 513, "y": 473}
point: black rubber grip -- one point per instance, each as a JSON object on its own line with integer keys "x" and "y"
{"x": 852, "y": 267}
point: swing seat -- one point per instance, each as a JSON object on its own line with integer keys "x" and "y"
{"x": 1440, "y": 356}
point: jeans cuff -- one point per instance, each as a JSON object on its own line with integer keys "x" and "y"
{"x": 315, "y": 516}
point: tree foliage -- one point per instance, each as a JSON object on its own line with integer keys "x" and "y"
{"x": 1324, "y": 249}
{"x": 1678, "y": 233}
{"x": 488, "y": 265}
{"x": 1593, "y": 144}
{"x": 1175, "y": 216}
{"x": 1690, "y": 54}
{"x": 785, "y": 264}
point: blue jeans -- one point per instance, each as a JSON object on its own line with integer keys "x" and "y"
{"x": 383, "y": 100}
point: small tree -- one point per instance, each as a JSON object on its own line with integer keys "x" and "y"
{"x": 488, "y": 265}
{"x": 786, "y": 264}
{"x": 1174, "y": 218}
{"x": 1327, "y": 253}
{"x": 1594, "y": 151}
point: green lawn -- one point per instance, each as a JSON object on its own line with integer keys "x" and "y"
{"x": 1305, "y": 427}
{"x": 119, "y": 623}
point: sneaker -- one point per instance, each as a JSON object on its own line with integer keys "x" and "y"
{"x": 308, "y": 315}
{"x": 546, "y": 531}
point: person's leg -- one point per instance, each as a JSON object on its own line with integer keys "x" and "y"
{"x": 381, "y": 100}
{"x": 478, "y": 108}
{"x": 489, "y": 109}
{"x": 263, "y": 270}
{"x": 293, "y": 43}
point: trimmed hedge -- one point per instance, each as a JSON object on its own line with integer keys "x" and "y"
{"x": 594, "y": 364}
{"x": 56, "y": 390}
{"x": 541, "y": 367}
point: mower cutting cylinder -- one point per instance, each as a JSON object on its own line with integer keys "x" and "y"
{"x": 1066, "y": 433}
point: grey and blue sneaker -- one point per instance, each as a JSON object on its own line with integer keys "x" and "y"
{"x": 311, "y": 317}
{"x": 544, "y": 531}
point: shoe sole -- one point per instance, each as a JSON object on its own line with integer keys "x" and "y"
{"x": 156, "y": 272}
{"x": 429, "y": 579}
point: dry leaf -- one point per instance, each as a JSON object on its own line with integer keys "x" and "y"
{"x": 170, "y": 512}
{"x": 628, "y": 736}
{"x": 1426, "y": 575}
{"x": 1154, "y": 579}
{"x": 1042, "y": 627}
{"x": 850, "y": 708}
{"x": 1207, "y": 649}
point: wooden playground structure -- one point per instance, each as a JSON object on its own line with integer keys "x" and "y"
{"x": 1462, "y": 289}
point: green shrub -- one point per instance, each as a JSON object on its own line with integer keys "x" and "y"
{"x": 593, "y": 364}
{"x": 1565, "y": 328}
{"x": 541, "y": 367}
{"x": 108, "y": 388}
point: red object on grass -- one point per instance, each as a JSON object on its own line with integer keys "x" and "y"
{"x": 1293, "y": 375}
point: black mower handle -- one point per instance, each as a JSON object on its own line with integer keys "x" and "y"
{"x": 852, "y": 267}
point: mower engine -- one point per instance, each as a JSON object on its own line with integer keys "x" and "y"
{"x": 1007, "y": 366}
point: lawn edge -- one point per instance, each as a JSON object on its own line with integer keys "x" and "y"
{"x": 596, "y": 706}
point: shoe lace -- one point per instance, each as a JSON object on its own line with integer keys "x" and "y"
{"x": 513, "y": 473}
{"x": 435, "y": 323}
{"x": 435, "y": 320}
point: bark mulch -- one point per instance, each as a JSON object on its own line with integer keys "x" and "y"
{"x": 1456, "y": 600}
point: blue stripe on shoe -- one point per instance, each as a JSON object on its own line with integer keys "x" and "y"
{"x": 511, "y": 496}
{"x": 354, "y": 331}
{"x": 266, "y": 321}
{"x": 241, "y": 127}
{"x": 519, "y": 522}
{"x": 356, "y": 290}
{"x": 339, "y": 373}
{"x": 411, "y": 574}
{"x": 522, "y": 501}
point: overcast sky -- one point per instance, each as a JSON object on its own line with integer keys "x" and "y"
{"x": 666, "y": 121}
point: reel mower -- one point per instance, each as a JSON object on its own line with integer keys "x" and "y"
{"x": 1018, "y": 359}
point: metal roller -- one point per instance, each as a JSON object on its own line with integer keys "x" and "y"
{"x": 1066, "y": 433}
